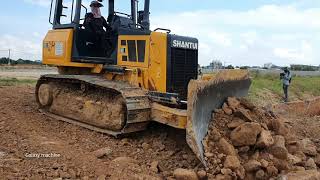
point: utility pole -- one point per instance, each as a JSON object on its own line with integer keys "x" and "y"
{"x": 9, "y": 62}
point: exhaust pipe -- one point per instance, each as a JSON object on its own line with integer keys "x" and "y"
{"x": 134, "y": 11}
{"x": 146, "y": 17}
{"x": 111, "y": 7}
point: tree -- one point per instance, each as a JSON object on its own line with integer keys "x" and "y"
{"x": 244, "y": 67}
{"x": 229, "y": 67}
{"x": 216, "y": 64}
{"x": 299, "y": 67}
{"x": 5, "y": 60}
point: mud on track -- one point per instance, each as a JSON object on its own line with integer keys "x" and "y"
{"x": 24, "y": 130}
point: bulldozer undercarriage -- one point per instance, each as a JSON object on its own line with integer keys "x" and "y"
{"x": 92, "y": 102}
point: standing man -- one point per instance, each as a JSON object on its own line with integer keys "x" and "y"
{"x": 286, "y": 80}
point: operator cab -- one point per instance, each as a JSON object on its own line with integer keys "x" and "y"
{"x": 98, "y": 48}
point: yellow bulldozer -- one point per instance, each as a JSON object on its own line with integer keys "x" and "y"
{"x": 119, "y": 81}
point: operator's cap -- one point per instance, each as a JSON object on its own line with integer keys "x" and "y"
{"x": 95, "y": 4}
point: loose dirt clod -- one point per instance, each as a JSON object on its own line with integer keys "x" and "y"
{"x": 102, "y": 152}
{"x": 185, "y": 174}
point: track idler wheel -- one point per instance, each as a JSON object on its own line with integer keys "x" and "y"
{"x": 45, "y": 95}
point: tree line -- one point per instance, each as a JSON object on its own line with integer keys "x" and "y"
{"x": 296, "y": 67}
{"x": 216, "y": 64}
{"x": 5, "y": 60}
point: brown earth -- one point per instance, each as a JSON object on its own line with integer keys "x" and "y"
{"x": 249, "y": 142}
{"x": 155, "y": 153}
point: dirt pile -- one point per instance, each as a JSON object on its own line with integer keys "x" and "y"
{"x": 247, "y": 142}
{"x": 306, "y": 108}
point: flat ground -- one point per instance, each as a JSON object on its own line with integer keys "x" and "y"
{"x": 25, "y": 72}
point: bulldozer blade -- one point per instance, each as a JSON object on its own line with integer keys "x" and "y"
{"x": 206, "y": 96}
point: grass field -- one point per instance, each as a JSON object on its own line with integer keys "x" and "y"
{"x": 16, "y": 82}
{"x": 267, "y": 89}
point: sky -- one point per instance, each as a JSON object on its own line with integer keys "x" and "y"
{"x": 246, "y": 32}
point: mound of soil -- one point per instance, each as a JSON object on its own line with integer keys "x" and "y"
{"x": 248, "y": 142}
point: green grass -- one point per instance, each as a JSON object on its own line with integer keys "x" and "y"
{"x": 268, "y": 88}
{"x": 265, "y": 89}
{"x": 16, "y": 82}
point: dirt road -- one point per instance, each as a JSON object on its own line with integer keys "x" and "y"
{"x": 25, "y": 72}
{"x": 70, "y": 151}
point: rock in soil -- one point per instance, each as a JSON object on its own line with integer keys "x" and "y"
{"x": 235, "y": 123}
{"x": 246, "y": 134}
{"x": 303, "y": 175}
{"x": 260, "y": 174}
{"x": 226, "y": 148}
{"x": 154, "y": 166}
{"x": 294, "y": 159}
{"x": 233, "y": 102}
{"x": 265, "y": 139}
{"x": 232, "y": 162}
{"x": 102, "y": 152}
{"x": 279, "y": 149}
{"x": 308, "y": 147}
{"x": 310, "y": 164}
{"x": 226, "y": 109}
{"x": 243, "y": 114}
{"x": 202, "y": 174}
{"x": 252, "y": 165}
{"x": 185, "y": 174}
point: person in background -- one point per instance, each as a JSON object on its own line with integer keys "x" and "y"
{"x": 286, "y": 81}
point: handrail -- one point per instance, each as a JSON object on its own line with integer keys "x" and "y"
{"x": 122, "y": 13}
{"x": 50, "y": 13}
{"x": 72, "y": 11}
{"x": 163, "y": 29}
{"x": 85, "y": 9}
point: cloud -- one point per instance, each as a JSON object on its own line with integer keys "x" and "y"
{"x": 288, "y": 53}
{"x": 305, "y": 53}
{"x": 222, "y": 39}
{"x": 26, "y": 47}
{"x": 274, "y": 33}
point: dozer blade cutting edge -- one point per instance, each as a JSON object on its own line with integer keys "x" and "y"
{"x": 206, "y": 96}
